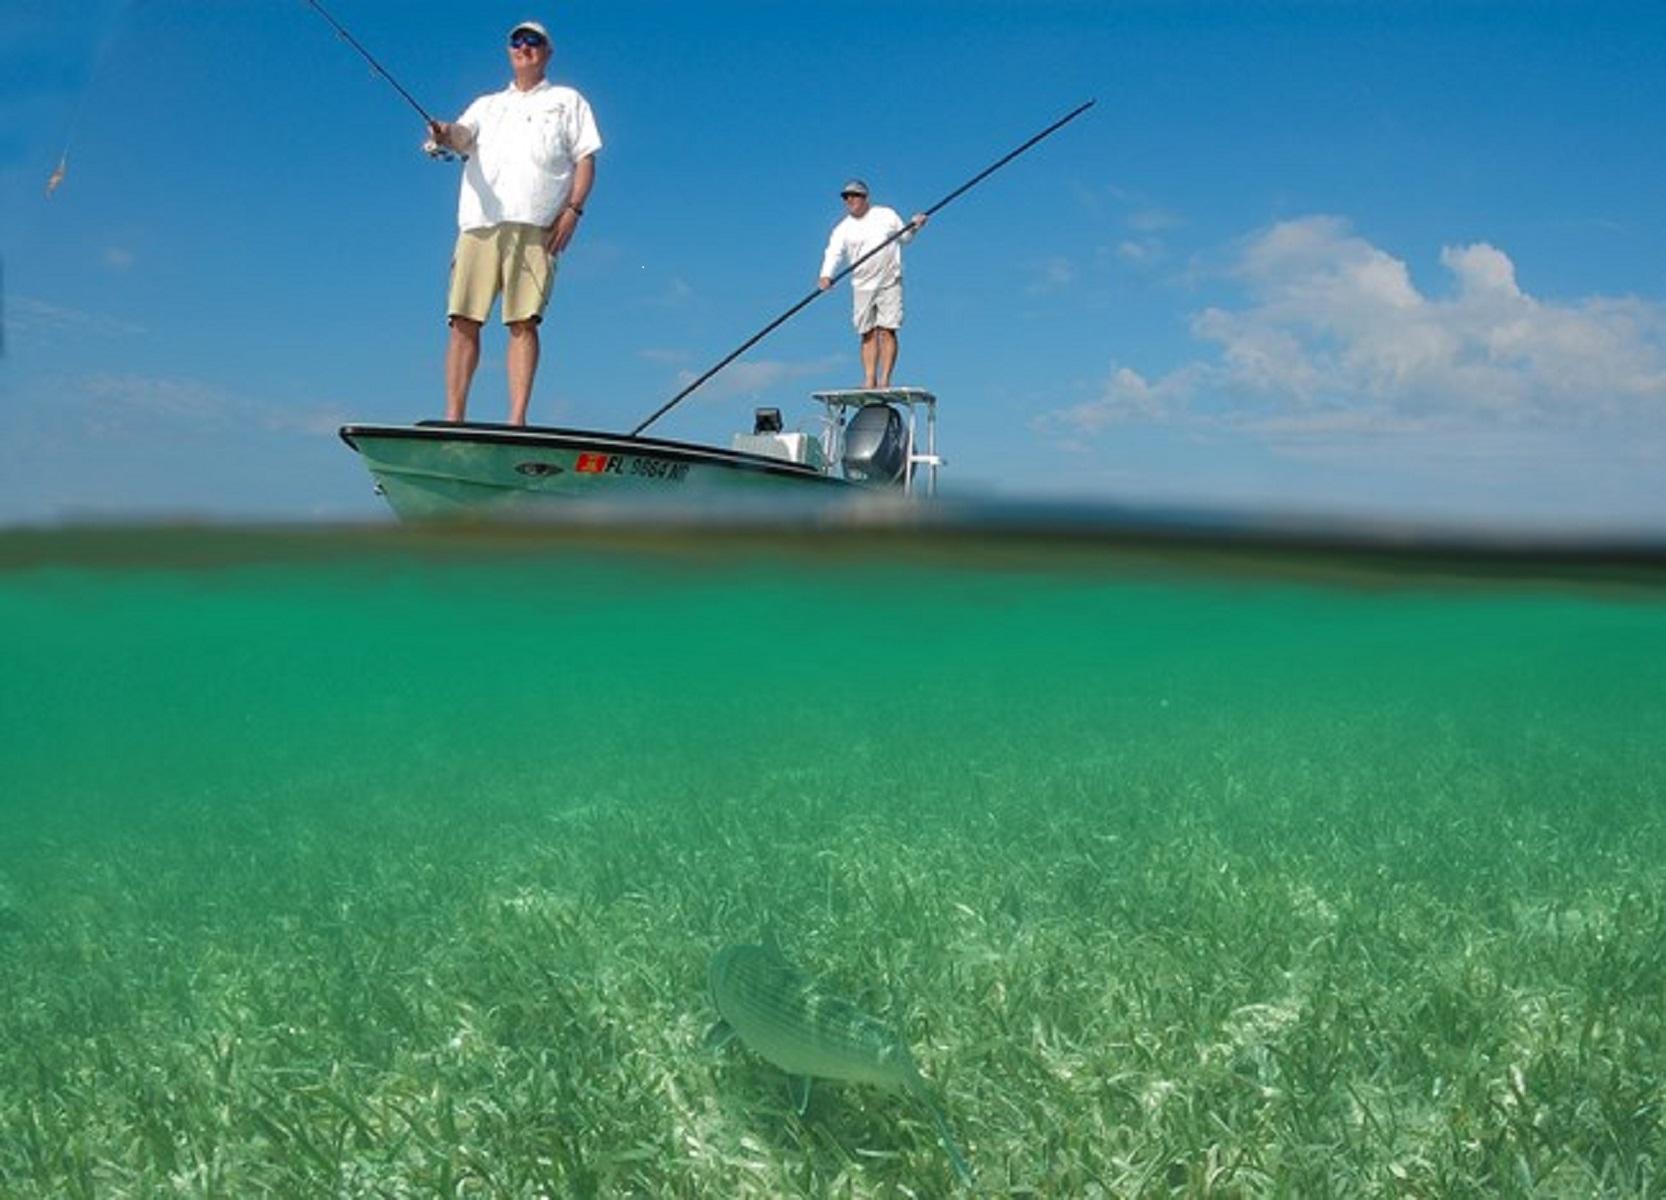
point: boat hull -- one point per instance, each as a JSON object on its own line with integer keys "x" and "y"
{"x": 437, "y": 470}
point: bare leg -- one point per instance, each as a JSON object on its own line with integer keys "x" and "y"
{"x": 523, "y": 365}
{"x": 887, "y": 339}
{"x": 462, "y": 356}
{"x": 870, "y": 356}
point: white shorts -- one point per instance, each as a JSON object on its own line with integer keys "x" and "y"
{"x": 878, "y": 308}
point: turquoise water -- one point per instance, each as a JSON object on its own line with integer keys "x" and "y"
{"x": 383, "y": 864}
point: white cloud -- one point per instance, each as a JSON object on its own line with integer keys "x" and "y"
{"x": 676, "y": 293}
{"x": 1334, "y": 338}
{"x": 310, "y": 422}
{"x": 1139, "y": 250}
{"x": 1127, "y": 398}
{"x": 114, "y": 398}
{"x": 29, "y": 315}
{"x": 118, "y": 258}
{"x": 1153, "y": 220}
{"x": 1145, "y": 222}
{"x": 1051, "y": 275}
{"x": 115, "y": 404}
{"x": 748, "y": 378}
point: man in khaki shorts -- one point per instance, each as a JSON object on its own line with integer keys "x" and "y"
{"x": 876, "y": 285}
{"x": 531, "y": 162}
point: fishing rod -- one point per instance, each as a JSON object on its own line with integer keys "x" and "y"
{"x": 903, "y": 232}
{"x": 434, "y": 149}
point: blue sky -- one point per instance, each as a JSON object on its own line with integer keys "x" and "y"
{"x": 1333, "y": 258}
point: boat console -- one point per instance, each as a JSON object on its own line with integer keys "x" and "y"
{"x": 869, "y": 436}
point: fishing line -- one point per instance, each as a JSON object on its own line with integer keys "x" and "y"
{"x": 112, "y": 31}
{"x": 903, "y": 232}
{"x": 434, "y": 149}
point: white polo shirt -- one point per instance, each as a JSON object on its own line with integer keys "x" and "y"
{"x": 526, "y": 145}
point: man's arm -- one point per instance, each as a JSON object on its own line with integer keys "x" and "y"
{"x": 907, "y": 229}
{"x": 830, "y": 257}
{"x": 566, "y": 221}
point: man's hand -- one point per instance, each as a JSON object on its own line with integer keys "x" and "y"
{"x": 561, "y": 232}
{"x": 824, "y": 282}
{"x": 919, "y": 221}
{"x": 448, "y": 135}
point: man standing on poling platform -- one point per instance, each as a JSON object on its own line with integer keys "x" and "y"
{"x": 876, "y": 284}
{"x": 531, "y": 163}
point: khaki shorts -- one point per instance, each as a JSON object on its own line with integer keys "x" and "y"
{"x": 878, "y": 308}
{"x": 509, "y": 259}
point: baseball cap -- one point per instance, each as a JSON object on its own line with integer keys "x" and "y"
{"x": 854, "y": 187}
{"x": 535, "y": 27}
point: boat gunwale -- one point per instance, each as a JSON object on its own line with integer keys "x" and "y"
{"x": 552, "y": 437}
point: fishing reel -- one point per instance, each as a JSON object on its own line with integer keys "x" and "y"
{"x": 438, "y": 152}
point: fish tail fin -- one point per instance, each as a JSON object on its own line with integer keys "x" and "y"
{"x": 962, "y": 1169}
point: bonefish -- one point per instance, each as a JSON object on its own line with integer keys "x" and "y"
{"x": 784, "y": 1016}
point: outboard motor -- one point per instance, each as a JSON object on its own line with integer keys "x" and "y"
{"x": 876, "y": 445}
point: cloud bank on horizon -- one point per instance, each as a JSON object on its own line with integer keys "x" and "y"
{"x": 1335, "y": 339}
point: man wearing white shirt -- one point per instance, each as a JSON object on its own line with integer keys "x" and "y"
{"x": 531, "y": 163}
{"x": 876, "y": 284}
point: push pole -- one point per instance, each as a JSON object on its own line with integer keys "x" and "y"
{"x": 794, "y": 310}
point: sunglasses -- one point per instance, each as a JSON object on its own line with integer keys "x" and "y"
{"x": 850, "y": 195}
{"x": 532, "y": 41}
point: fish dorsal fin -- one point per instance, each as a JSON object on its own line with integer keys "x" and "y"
{"x": 719, "y": 1035}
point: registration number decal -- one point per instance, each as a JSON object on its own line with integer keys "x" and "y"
{"x": 631, "y": 464}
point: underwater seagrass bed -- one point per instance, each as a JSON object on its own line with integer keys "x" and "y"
{"x": 369, "y": 865}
